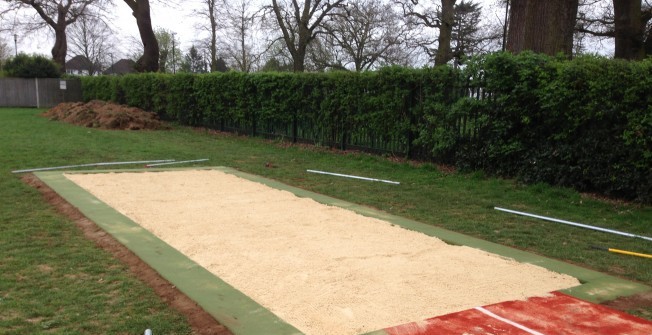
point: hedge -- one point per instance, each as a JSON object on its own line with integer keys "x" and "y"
{"x": 584, "y": 123}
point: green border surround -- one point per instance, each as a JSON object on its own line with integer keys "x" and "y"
{"x": 241, "y": 314}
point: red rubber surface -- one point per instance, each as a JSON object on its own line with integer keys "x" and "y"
{"x": 554, "y": 315}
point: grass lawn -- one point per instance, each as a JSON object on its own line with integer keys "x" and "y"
{"x": 54, "y": 280}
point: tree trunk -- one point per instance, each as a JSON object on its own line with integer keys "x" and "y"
{"x": 628, "y": 30}
{"x": 243, "y": 47}
{"x": 444, "y": 53}
{"x": 60, "y": 48}
{"x": 213, "y": 51}
{"x": 542, "y": 26}
{"x": 304, "y": 37}
{"x": 148, "y": 62}
{"x": 647, "y": 45}
{"x": 299, "y": 58}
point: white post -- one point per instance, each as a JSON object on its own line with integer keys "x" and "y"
{"x": 570, "y": 223}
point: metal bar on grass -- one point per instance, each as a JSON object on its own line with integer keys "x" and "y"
{"x": 354, "y": 177}
{"x": 623, "y": 252}
{"x": 91, "y": 164}
{"x": 605, "y": 230}
{"x": 177, "y": 162}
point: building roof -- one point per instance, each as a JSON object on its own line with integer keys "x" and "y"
{"x": 80, "y": 63}
{"x": 121, "y": 67}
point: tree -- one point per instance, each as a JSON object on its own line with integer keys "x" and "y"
{"x": 239, "y": 44}
{"x": 93, "y": 39}
{"x": 542, "y": 26}
{"x": 300, "y": 24}
{"x": 37, "y": 66}
{"x": 628, "y": 29}
{"x": 628, "y": 22}
{"x": 148, "y": 62}
{"x": 441, "y": 17}
{"x": 57, "y": 15}
{"x": 209, "y": 12}
{"x": 275, "y": 65}
{"x": 362, "y": 34}
{"x": 4, "y": 53}
{"x": 466, "y": 37}
{"x": 194, "y": 62}
{"x": 170, "y": 56}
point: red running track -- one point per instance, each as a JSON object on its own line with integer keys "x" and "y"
{"x": 557, "y": 314}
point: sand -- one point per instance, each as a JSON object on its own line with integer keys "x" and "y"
{"x": 323, "y": 269}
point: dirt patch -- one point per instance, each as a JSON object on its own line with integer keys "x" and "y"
{"x": 201, "y": 322}
{"x": 639, "y": 303}
{"x": 104, "y": 115}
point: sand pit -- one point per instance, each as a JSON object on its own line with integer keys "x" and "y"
{"x": 323, "y": 269}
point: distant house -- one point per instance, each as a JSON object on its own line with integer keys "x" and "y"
{"x": 122, "y": 66}
{"x": 81, "y": 66}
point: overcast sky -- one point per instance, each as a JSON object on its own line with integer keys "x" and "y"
{"x": 179, "y": 19}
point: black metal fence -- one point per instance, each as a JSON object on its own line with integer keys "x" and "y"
{"x": 346, "y": 133}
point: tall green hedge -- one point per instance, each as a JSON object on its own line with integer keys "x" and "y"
{"x": 585, "y": 123}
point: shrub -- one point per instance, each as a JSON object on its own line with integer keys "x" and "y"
{"x": 35, "y": 66}
{"x": 585, "y": 123}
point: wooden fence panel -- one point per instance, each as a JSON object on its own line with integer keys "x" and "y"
{"x": 38, "y": 92}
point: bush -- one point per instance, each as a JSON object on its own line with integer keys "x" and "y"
{"x": 36, "y": 66}
{"x": 585, "y": 123}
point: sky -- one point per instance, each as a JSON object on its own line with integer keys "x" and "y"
{"x": 178, "y": 19}
{"x": 181, "y": 20}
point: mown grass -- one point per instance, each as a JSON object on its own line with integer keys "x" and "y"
{"x": 54, "y": 280}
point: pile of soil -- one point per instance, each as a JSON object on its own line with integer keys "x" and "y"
{"x": 104, "y": 115}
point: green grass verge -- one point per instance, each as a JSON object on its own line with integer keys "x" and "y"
{"x": 53, "y": 280}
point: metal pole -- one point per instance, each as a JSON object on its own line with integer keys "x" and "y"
{"x": 623, "y": 252}
{"x": 354, "y": 177}
{"x": 605, "y": 230}
{"x": 91, "y": 164}
{"x": 179, "y": 162}
{"x": 16, "y": 43}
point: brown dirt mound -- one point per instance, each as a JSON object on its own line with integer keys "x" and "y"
{"x": 104, "y": 115}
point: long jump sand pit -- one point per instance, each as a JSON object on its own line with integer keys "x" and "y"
{"x": 322, "y": 269}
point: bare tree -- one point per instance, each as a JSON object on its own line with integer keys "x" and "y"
{"x": 209, "y": 13}
{"x": 57, "y": 15}
{"x": 363, "y": 34}
{"x": 148, "y": 62}
{"x": 240, "y": 46}
{"x": 429, "y": 15}
{"x": 542, "y": 26}
{"x": 323, "y": 54}
{"x": 277, "y": 57}
{"x": 93, "y": 39}
{"x": 4, "y": 53}
{"x": 300, "y": 23}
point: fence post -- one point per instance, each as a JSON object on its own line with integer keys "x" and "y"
{"x": 38, "y": 100}
{"x": 294, "y": 128}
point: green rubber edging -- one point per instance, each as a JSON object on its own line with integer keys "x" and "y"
{"x": 596, "y": 287}
{"x": 233, "y": 309}
{"x": 244, "y": 316}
